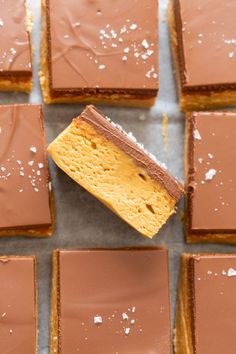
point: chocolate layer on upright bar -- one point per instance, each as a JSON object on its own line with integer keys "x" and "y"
{"x": 118, "y": 303}
{"x": 213, "y": 303}
{"x": 211, "y": 180}
{"x": 129, "y": 145}
{"x": 15, "y": 50}
{"x": 102, "y": 47}
{"x": 24, "y": 174}
{"x": 206, "y": 44}
{"x": 18, "y": 317}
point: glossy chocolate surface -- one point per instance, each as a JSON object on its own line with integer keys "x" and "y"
{"x": 128, "y": 144}
{"x": 15, "y": 52}
{"x": 214, "y": 288}
{"x": 206, "y": 39}
{"x": 212, "y": 172}
{"x": 24, "y": 175}
{"x": 102, "y": 44}
{"x": 114, "y": 301}
{"x": 17, "y": 305}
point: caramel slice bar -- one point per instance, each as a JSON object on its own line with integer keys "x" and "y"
{"x": 112, "y": 166}
{"x": 25, "y": 190}
{"x": 211, "y": 177}
{"x": 15, "y": 47}
{"x": 18, "y": 305}
{"x": 110, "y": 301}
{"x": 204, "y": 53}
{"x": 206, "y": 309}
{"x": 100, "y": 51}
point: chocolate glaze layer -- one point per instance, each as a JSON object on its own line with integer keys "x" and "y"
{"x": 17, "y": 305}
{"x": 128, "y": 289}
{"x": 214, "y": 306}
{"x": 206, "y": 43}
{"x": 113, "y": 133}
{"x": 15, "y": 53}
{"x": 212, "y": 172}
{"x": 24, "y": 175}
{"x": 100, "y": 45}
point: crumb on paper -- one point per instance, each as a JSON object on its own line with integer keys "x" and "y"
{"x": 165, "y": 131}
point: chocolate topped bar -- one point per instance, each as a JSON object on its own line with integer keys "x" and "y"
{"x": 206, "y": 307}
{"x": 99, "y": 47}
{"x": 119, "y": 302}
{"x": 24, "y": 174}
{"x": 206, "y": 42}
{"x": 110, "y": 163}
{"x": 211, "y": 173}
{"x": 128, "y": 143}
{"x": 15, "y": 49}
{"x": 18, "y": 328}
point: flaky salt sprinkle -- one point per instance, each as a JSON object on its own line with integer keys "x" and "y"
{"x": 97, "y": 319}
{"x": 33, "y": 149}
{"x": 145, "y": 44}
{"x": 125, "y": 316}
{"x": 210, "y": 174}
{"x": 1, "y": 23}
{"x": 231, "y": 272}
{"x": 127, "y": 331}
{"x": 197, "y": 135}
{"x": 40, "y": 165}
{"x": 134, "y": 26}
{"x": 102, "y": 67}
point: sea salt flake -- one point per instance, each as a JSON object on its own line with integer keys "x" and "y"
{"x": 125, "y": 316}
{"x": 124, "y": 58}
{"x": 145, "y": 44}
{"x": 102, "y": 67}
{"x": 127, "y": 331}
{"x": 197, "y": 135}
{"x": 231, "y": 272}
{"x": 126, "y": 50}
{"x": 30, "y": 163}
{"x": 210, "y": 174}
{"x": 40, "y": 165}
{"x": 134, "y": 26}
{"x": 1, "y": 23}
{"x": 33, "y": 149}
{"x": 97, "y": 319}
{"x": 231, "y": 54}
{"x": 210, "y": 156}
